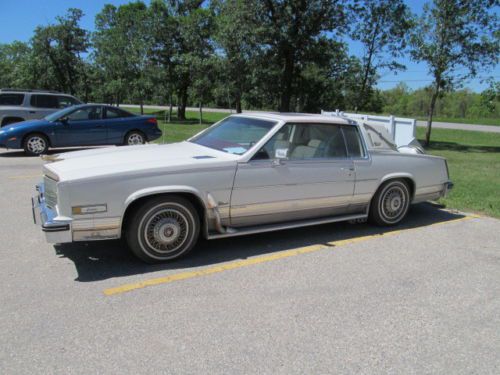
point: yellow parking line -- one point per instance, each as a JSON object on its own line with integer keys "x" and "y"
{"x": 25, "y": 176}
{"x": 261, "y": 259}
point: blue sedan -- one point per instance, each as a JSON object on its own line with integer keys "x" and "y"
{"x": 81, "y": 125}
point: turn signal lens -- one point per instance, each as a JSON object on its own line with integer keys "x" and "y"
{"x": 86, "y": 210}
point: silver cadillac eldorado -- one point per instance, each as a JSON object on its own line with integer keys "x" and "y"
{"x": 246, "y": 174}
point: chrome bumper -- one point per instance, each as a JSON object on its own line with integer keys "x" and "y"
{"x": 447, "y": 187}
{"x": 57, "y": 229}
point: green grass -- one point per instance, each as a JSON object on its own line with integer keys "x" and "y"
{"x": 473, "y": 160}
{"x": 474, "y": 164}
{"x": 474, "y": 121}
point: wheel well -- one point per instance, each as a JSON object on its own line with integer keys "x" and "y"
{"x": 31, "y": 133}
{"x": 408, "y": 180}
{"x": 195, "y": 200}
{"x": 135, "y": 130}
{"x": 6, "y": 119}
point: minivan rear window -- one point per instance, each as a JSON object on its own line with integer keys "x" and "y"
{"x": 11, "y": 99}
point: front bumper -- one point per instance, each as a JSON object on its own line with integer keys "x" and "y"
{"x": 57, "y": 229}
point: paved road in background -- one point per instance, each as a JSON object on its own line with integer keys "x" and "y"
{"x": 442, "y": 125}
{"x": 336, "y": 298}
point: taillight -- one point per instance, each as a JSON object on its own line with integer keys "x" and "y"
{"x": 152, "y": 121}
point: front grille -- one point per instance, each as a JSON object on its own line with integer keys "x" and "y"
{"x": 50, "y": 192}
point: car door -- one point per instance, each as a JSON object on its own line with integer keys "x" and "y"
{"x": 83, "y": 127}
{"x": 317, "y": 178}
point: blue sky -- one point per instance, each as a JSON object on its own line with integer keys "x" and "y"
{"x": 18, "y": 19}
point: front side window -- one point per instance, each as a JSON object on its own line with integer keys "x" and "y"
{"x": 86, "y": 114}
{"x": 306, "y": 141}
{"x": 234, "y": 135}
{"x": 11, "y": 99}
{"x": 44, "y": 101}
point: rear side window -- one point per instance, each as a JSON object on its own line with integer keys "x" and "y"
{"x": 116, "y": 113}
{"x": 11, "y": 99}
{"x": 44, "y": 101}
{"x": 66, "y": 101}
{"x": 353, "y": 142}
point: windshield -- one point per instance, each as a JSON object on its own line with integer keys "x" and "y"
{"x": 234, "y": 135}
{"x": 57, "y": 115}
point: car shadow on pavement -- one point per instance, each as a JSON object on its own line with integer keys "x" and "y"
{"x": 102, "y": 260}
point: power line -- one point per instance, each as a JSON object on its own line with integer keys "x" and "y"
{"x": 430, "y": 80}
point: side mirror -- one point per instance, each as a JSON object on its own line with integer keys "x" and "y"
{"x": 64, "y": 120}
{"x": 280, "y": 154}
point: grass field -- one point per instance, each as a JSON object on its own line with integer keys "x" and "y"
{"x": 474, "y": 163}
{"x": 473, "y": 160}
{"x": 474, "y": 121}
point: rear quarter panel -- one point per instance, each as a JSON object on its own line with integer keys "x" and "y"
{"x": 427, "y": 172}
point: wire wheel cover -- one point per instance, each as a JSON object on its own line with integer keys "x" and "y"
{"x": 394, "y": 203}
{"x": 166, "y": 230}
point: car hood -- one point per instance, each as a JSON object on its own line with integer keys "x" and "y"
{"x": 24, "y": 125}
{"x": 133, "y": 160}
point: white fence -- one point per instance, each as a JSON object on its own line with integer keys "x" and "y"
{"x": 402, "y": 130}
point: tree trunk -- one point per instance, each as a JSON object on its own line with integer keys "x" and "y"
{"x": 170, "y": 109}
{"x": 201, "y": 114}
{"x": 181, "y": 107}
{"x": 286, "y": 82}
{"x": 238, "y": 106}
{"x": 142, "y": 107}
{"x": 432, "y": 106}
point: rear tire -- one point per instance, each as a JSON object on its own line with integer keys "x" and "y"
{"x": 35, "y": 144}
{"x": 135, "y": 137}
{"x": 162, "y": 229}
{"x": 390, "y": 204}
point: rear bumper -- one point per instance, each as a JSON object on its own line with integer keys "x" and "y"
{"x": 57, "y": 229}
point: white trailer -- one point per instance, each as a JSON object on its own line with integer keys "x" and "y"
{"x": 380, "y": 130}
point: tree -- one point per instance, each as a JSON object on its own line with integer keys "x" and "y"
{"x": 452, "y": 36}
{"x": 289, "y": 33}
{"x": 191, "y": 43}
{"x": 56, "y": 52}
{"x": 235, "y": 36}
{"x": 14, "y": 64}
{"x": 382, "y": 27}
{"x": 121, "y": 45}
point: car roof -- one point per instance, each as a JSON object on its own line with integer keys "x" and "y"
{"x": 297, "y": 117}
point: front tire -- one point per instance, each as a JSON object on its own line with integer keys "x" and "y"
{"x": 35, "y": 144}
{"x": 134, "y": 138}
{"x": 390, "y": 204}
{"x": 164, "y": 228}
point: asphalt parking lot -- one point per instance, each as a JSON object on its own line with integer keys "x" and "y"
{"x": 422, "y": 298}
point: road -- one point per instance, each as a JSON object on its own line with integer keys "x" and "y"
{"x": 440, "y": 125}
{"x": 338, "y": 298}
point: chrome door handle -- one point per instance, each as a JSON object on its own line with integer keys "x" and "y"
{"x": 350, "y": 169}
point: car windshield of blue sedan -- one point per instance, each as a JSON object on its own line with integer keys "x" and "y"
{"x": 234, "y": 135}
{"x": 57, "y": 115}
